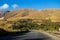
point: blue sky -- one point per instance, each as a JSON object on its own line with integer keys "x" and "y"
{"x": 35, "y": 4}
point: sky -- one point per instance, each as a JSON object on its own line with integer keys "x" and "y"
{"x": 34, "y": 4}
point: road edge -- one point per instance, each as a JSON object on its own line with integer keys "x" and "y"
{"x": 52, "y": 36}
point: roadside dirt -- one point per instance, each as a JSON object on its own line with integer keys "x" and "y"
{"x": 50, "y": 34}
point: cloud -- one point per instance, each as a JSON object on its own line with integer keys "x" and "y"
{"x": 5, "y": 6}
{"x": 15, "y": 6}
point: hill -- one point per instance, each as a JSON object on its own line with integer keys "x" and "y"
{"x": 37, "y": 15}
{"x": 53, "y": 14}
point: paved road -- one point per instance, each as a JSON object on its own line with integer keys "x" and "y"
{"x": 33, "y": 35}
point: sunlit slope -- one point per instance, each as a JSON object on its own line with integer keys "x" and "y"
{"x": 53, "y": 14}
{"x": 37, "y": 15}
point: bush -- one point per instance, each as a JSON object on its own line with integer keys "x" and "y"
{"x": 25, "y": 24}
{"x": 28, "y": 24}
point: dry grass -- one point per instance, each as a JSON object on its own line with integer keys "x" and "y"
{"x": 53, "y": 14}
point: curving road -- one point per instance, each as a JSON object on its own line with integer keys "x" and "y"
{"x": 33, "y": 35}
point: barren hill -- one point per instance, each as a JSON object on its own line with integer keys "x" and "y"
{"x": 53, "y": 14}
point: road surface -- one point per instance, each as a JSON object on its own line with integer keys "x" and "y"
{"x": 33, "y": 35}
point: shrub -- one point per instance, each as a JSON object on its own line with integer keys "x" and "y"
{"x": 25, "y": 24}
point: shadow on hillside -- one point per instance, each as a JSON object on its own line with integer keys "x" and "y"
{"x": 4, "y": 33}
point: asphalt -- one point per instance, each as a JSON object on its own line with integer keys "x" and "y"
{"x": 32, "y": 35}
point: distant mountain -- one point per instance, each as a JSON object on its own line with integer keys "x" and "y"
{"x": 53, "y": 14}
{"x": 2, "y": 14}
